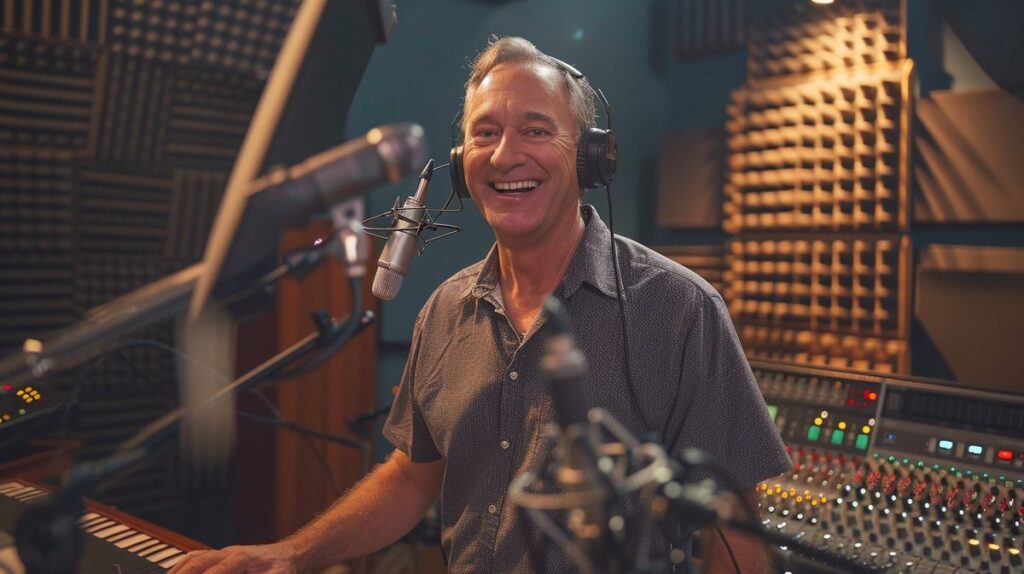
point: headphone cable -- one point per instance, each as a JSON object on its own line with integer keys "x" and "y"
{"x": 634, "y": 400}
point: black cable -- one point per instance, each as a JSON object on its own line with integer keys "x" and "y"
{"x": 429, "y": 220}
{"x": 732, "y": 486}
{"x": 634, "y": 400}
{"x": 298, "y": 427}
{"x": 356, "y": 285}
{"x": 303, "y": 431}
{"x": 444, "y": 208}
{"x": 728, "y": 548}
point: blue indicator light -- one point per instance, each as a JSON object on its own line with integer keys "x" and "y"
{"x": 946, "y": 444}
{"x": 975, "y": 449}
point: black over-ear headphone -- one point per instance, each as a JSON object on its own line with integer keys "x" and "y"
{"x": 597, "y": 153}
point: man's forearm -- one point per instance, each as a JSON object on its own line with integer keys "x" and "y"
{"x": 376, "y": 512}
{"x": 751, "y": 554}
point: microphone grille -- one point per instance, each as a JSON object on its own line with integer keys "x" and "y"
{"x": 386, "y": 283}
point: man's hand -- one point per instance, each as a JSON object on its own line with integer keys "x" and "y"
{"x": 279, "y": 558}
{"x": 374, "y": 513}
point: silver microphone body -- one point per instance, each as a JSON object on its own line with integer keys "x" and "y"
{"x": 396, "y": 258}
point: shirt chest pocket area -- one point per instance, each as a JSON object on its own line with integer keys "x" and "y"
{"x": 459, "y": 394}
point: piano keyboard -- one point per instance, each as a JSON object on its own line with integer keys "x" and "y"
{"x": 110, "y": 544}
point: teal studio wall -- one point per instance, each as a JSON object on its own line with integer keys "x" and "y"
{"x": 621, "y": 45}
{"x": 419, "y": 75}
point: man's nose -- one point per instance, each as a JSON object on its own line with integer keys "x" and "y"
{"x": 508, "y": 154}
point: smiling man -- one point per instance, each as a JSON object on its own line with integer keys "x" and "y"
{"x": 473, "y": 402}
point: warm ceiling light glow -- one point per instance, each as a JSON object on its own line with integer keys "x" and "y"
{"x": 823, "y": 1}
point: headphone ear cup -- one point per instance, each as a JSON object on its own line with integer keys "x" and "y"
{"x": 456, "y": 172}
{"x": 597, "y": 158}
{"x": 583, "y": 174}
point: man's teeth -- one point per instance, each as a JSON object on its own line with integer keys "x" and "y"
{"x": 515, "y": 185}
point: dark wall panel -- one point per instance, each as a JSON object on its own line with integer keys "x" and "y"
{"x": 691, "y": 167}
{"x": 968, "y": 300}
{"x": 967, "y": 168}
{"x": 702, "y": 27}
{"x": 119, "y": 121}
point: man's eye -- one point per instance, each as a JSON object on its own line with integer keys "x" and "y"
{"x": 486, "y": 133}
{"x": 536, "y": 132}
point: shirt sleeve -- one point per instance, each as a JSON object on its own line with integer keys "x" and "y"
{"x": 724, "y": 411}
{"x": 406, "y": 428}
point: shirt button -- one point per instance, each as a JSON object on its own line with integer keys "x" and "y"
{"x": 492, "y": 509}
{"x": 504, "y": 444}
{"x": 513, "y": 375}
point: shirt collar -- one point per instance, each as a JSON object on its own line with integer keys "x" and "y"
{"x": 590, "y": 264}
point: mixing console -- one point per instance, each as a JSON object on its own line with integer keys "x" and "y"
{"x": 23, "y": 403}
{"x": 901, "y": 474}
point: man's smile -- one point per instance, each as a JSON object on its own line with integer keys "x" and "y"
{"x": 519, "y": 186}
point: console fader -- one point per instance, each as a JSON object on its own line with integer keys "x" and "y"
{"x": 902, "y": 474}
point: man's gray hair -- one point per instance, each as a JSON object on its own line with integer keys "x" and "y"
{"x": 522, "y": 51}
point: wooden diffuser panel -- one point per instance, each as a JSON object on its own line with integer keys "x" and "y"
{"x": 794, "y": 37}
{"x": 708, "y": 261}
{"x": 840, "y": 285}
{"x": 874, "y": 354}
{"x": 836, "y": 301}
{"x": 823, "y": 155}
{"x": 828, "y": 300}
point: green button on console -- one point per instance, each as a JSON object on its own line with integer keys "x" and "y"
{"x": 814, "y": 433}
{"x": 862, "y": 441}
{"x": 837, "y": 437}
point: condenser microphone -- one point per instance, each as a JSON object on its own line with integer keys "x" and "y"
{"x": 396, "y": 258}
{"x": 565, "y": 368}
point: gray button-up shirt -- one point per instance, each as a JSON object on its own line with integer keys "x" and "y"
{"x": 473, "y": 393}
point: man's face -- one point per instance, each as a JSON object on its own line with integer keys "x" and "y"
{"x": 520, "y": 153}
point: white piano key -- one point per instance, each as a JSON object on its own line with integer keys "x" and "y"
{"x": 153, "y": 549}
{"x": 142, "y": 546}
{"x": 20, "y": 492}
{"x": 88, "y": 517}
{"x": 95, "y": 521}
{"x": 108, "y": 532}
{"x": 111, "y": 531}
{"x": 121, "y": 536}
{"x": 106, "y": 522}
{"x": 132, "y": 540}
{"x": 28, "y": 493}
{"x": 172, "y": 561}
{"x": 9, "y": 486}
{"x": 163, "y": 554}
